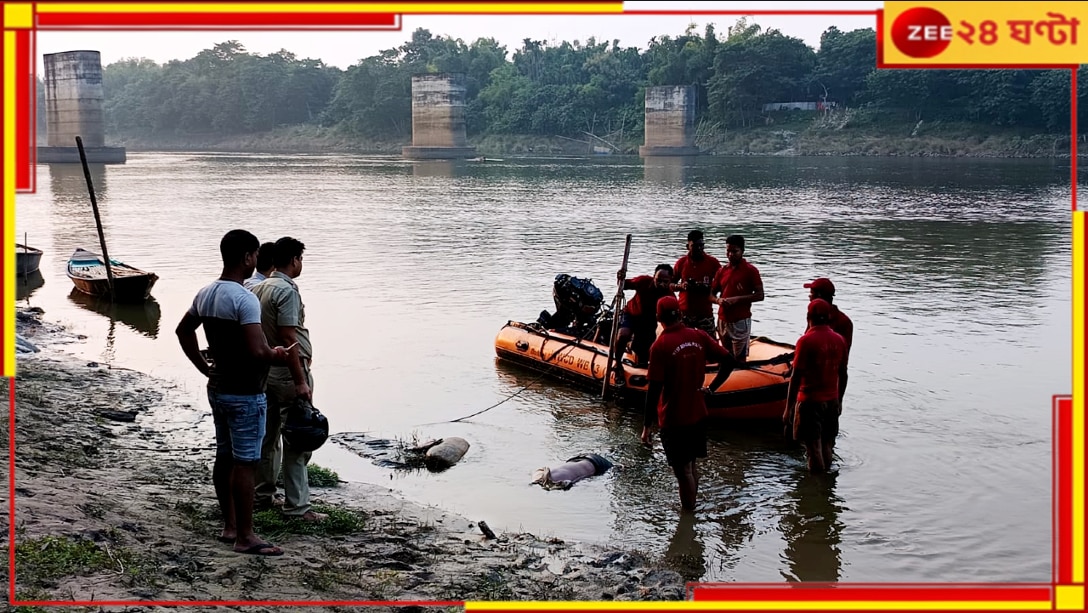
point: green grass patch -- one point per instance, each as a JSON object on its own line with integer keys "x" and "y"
{"x": 273, "y": 524}
{"x": 40, "y": 562}
{"x": 320, "y": 476}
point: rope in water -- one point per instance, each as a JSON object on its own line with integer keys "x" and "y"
{"x": 570, "y": 345}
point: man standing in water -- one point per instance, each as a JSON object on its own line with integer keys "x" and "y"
{"x": 240, "y": 358}
{"x": 675, "y": 400}
{"x": 693, "y": 275}
{"x": 740, "y": 285}
{"x": 283, "y": 318}
{"x": 639, "y": 319}
{"x": 824, "y": 289}
{"x": 812, "y": 402}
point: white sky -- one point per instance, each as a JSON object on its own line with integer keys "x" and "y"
{"x": 343, "y": 49}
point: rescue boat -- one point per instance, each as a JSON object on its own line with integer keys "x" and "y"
{"x": 756, "y": 391}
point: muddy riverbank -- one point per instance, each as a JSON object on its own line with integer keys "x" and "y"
{"x": 835, "y": 136}
{"x": 111, "y": 504}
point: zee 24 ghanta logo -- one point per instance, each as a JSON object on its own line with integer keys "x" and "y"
{"x": 922, "y": 32}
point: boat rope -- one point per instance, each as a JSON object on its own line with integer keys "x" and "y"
{"x": 571, "y": 344}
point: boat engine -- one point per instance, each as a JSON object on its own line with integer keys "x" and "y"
{"x": 577, "y": 303}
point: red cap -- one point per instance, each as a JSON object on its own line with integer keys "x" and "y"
{"x": 667, "y": 303}
{"x": 822, "y": 286}
{"x": 819, "y": 308}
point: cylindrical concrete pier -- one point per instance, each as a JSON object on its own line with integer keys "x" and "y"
{"x": 73, "y": 107}
{"x": 670, "y": 121}
{"x": 438, "y": 117}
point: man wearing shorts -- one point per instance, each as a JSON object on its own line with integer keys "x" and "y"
{"x": 675, "y": 400}
{"x": 740, "y": 285}
{"x": 239, "y": 361}
{"x": 812, "y": 402}
{"x": 692, "y": 277}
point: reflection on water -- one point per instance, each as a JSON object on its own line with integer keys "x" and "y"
{"x": 68, "y": 183}
{"x": 668, "y": 170}
{"x": 812, "y": 530}
{"x": 955, "y": 273}
{"x": 142, "y": 317}
{"x": 71, "y": 206}
{"x": 26, "y": 285}
{"x": 438, "y": 168}
{"x": 685, "y": 551}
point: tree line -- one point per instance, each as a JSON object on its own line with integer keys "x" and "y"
{"x": 569, "y": 88}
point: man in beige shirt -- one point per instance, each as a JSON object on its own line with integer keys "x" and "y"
{"x": 283, "y": 318}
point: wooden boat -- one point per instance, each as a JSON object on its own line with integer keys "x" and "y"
{"x": 755, "y": 392}
{"x": 27, "y": 259}
{"x": 88, "y": 272}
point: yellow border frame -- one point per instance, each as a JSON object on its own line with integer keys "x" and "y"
{"x": 22, "y": 16}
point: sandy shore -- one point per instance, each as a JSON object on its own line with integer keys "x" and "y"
{"x": 114, "y": 501}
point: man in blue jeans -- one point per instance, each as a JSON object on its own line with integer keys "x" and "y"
{"x": 239, "y": 358}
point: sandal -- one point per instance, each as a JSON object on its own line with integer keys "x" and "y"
{"x": 262, "y": 549}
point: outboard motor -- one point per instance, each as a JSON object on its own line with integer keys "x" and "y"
{"x": 577, "y": 302}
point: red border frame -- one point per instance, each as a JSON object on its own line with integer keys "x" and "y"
{"x": 1062, "y": 520}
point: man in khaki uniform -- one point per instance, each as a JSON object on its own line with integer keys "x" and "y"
{"x": 283, "y": 318}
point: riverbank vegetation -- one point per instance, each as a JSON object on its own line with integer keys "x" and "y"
{"x": 576, "y": 95}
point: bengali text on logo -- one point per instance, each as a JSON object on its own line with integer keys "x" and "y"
{"x": 923, "y": 32}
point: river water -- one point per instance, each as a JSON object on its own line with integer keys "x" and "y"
{"x": 956, "y": 274}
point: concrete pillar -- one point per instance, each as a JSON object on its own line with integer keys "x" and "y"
{"x": 670, "y": 121}
{"x": 438, "y": 118}
{"x": 73, "y": 107}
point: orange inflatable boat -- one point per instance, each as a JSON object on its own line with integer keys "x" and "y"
{"x": 757, "y": 391}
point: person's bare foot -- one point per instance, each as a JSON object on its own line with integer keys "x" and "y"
{"x": 313, "y": 516}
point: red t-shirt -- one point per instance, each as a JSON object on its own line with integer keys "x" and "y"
{"x": 741, "y": 280}
{"x": 841, "y": 323}
{"x": 678, "y": 360}
{"x": 816, "y": 361}
{"x": 647, "y": 293}
{"x": 696, "y": 303}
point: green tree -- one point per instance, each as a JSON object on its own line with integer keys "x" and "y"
{"x": 752, "y": 68}
{"x": 844, "y": 62}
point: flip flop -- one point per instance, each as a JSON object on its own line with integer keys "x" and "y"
{"x": 259, "y": 550}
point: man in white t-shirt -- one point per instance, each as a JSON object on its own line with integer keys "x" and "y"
{"x": 237, "y": 366}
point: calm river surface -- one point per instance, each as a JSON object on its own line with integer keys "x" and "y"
{"x": 956, "y": 274}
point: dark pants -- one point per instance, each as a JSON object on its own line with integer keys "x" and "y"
{"x": 683, "y": 444}
{"x": 644, "y": 333}
{"x": 816, "y": 421}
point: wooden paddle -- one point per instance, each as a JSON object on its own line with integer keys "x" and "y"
{"x": 97, "y": 219}
{"x": 615, "y": 322}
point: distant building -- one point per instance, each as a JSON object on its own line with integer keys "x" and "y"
{"x": 799, "y": 106}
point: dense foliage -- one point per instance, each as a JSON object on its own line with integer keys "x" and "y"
{"x": 571, "y": 87}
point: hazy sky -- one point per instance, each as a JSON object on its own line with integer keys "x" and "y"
{"x": 344, "y": 49}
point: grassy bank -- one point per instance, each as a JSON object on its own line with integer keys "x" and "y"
{"x": 847, "y": 133}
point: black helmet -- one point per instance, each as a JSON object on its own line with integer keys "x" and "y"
{"x": 306, "y": 428}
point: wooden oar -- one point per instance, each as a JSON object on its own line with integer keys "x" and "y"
{"x": 97, "y": 219}
{"x": 615, "y": 322}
